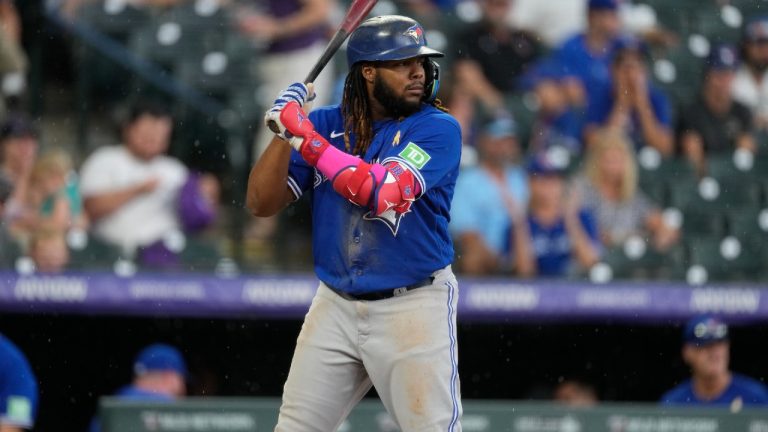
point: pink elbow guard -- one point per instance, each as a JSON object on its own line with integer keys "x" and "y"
{"x": 390, "y": 188}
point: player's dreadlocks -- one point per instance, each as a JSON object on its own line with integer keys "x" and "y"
{"x": 356, "y": 111}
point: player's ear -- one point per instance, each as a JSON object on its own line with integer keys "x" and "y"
{"x": 369, "y": 73}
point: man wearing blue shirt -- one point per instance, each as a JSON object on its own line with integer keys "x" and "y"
{"x": 558, "y": 238}
{"x": 587, "y": 56}
{"x": 706, "y": 350}
{"x": 379, "y": 170}
{"x": 632, "y": 104}
{"x": 487, "y": 198}
{"x": 159, "y": 375}
{"x": 18, "y": 389}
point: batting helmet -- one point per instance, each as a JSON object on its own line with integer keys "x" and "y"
{"x": 394, "y": 37}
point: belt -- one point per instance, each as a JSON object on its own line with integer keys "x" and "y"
{"x": 382, "y": 295}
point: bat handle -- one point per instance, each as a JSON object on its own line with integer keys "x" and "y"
{"x": 273, "y": 126}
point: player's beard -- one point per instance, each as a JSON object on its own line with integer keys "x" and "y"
{"x": 395, "y": 106}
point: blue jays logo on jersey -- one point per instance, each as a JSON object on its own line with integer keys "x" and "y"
{"x": 416, "y": 33}
{"x": 390, "y": 218}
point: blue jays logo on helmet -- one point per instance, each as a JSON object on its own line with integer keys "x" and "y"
{"x": 416, "y": 32}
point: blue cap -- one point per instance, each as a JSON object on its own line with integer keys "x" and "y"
{"x": 604, "y": 4}
{"x": 704, "y": 330}
{"x": 722, "y": 57}
{"x": 390, "y": 37}
{"x": 547, "y": 163}
{"x": 159, "y": 357}
{"x": 756, "y": 30}
{"x": 629, "y": 43}
{"x": 501, "y": 127}
{"x": 547, "y": 69}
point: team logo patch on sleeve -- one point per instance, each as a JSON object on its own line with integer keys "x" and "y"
{"x": 415, "y": 155}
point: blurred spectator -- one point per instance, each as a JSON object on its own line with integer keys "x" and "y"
{"x": 575, "y": 393}
{"x": 159, "y": 375}
{"x": 48, "y": 249}
{"x": 18, "y": 389}
{"x": 53, "y": 197}
{"x": 486, "y": 198}
{"x": 12, "y": 57}
{"x": 559, "y": 238}
{"x": 750, "y": 85}
{"x": 18, "y": 153}
{"x": 492, "y": 56}
{"x": 706, "y": 350}
{"x": 294, "y": 32}
{"x": 609, "y": 189}
{"x": 7, "y": 244}
{"x": 558, "y": 121}
{"x": 633, "y": 105}
{"x": 715, "y": 122}
{"x": 588, "y": 55}
{"x": 555, "y": 20}
{"x": 133, "y": 193}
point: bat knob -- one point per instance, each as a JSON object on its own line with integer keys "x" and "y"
{"x": 273, "y": 126}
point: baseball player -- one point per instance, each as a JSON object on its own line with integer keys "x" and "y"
{"x": 380, "y": 170}
{"x": 18, "y": 389}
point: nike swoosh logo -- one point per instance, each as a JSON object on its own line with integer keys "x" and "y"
{"x": 335, "y": 134}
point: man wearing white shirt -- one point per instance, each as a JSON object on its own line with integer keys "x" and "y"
{"x": 750, "y": 85}
{"x": 130, "y": 192}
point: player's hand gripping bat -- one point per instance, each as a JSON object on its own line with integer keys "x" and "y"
{"x": 358, "y": 10}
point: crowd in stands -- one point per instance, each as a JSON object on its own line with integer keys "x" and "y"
{"x": 577, "y": 145}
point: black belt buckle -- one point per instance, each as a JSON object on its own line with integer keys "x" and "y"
{"x": 382, "y": 295}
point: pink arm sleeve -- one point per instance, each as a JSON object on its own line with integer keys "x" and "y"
{"x": 333, "y": 161}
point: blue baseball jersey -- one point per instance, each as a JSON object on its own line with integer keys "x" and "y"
{"x": 742, "y": 390}
{"x": 357, "y": 252}
{"x": 18, "y": 387}
{"x": 552, "y": 246}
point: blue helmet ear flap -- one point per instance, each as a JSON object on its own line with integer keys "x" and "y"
{"x": 432, "y": 79}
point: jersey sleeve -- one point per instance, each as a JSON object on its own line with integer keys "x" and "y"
{"x": 431, "y": 150}
{"x": 301, "y": 175}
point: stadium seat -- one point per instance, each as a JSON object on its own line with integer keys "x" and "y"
{"x": 96, "y": 254}
{"x": 636, "y": 259}
{"x": 726, "y": 258}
